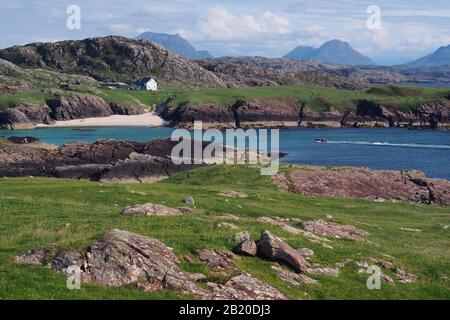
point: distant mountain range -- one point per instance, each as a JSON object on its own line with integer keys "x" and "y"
{"x": 440, "y": 57}
{"x": 175, "y": 43}
{"x": 332, "y": 52}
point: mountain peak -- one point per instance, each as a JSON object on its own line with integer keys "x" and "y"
{"x": 334, "y": 52}
{"x": 175, "y": 43}
{"x": 440, "y": 57}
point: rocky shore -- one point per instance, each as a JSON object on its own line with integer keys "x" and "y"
{"x": 263, "y": 113}
{"x": 362, "y": 183}
{"x": 135, "y": 162}
{"x": 27, "y": 116}
{"x": 104, "y": 160}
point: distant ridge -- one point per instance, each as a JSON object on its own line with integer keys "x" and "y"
{"x": 175, "y": 43}
{"x": 332, "y": 52}
{"x": 440, "y": 57}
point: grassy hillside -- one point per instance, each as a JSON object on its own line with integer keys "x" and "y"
{"x": 47, "y": 84}
{"x": 36, "y": 212}
{"x": 318, "y": 98}
{"x": 119, "y": 96}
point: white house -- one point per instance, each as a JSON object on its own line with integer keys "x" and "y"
{"x": 147, "y": 83}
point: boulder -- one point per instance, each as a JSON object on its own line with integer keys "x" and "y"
{"x": 22, "y": 140}
{"x": 247, "y": 247}
{"x": 239, "y": 237}
{"x": 190, "y": 201}
{"x": 273, "y": 248}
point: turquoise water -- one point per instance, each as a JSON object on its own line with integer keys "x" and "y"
{"x": 425, "y": 150}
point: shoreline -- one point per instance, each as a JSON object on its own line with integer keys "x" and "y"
{"x": 149, "y": 119}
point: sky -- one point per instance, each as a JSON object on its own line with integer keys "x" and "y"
{"x": 407, "y": 29}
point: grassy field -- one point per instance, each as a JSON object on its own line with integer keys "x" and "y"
{"x": 318, "y": 98}
{"x": 38, "y": 211}
{"x": 315, "y": 97}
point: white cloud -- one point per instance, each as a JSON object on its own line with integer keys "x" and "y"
{"x": 220, "y": 24}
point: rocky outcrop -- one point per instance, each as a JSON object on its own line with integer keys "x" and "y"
{"x": 290, "y": 112}
{"x": 118, "y": 259}
{"x": 61, "y": 108}
{"x": 245, "y": 287}
{"x": 104, "y": 160}
{"x": 236, "y": 75}
{"x": 335, "y": 230}
{"x": 113, "y": 58}
{"x": 273, "y": 248}
{"x": 242, "y": 113}
{"x": 411, "y": 186}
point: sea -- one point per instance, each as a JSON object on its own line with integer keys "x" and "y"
{"x": 384, "y": 148}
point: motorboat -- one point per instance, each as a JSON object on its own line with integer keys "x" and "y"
{"x": 321, "y": 140}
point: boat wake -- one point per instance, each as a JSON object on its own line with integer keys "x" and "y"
{"x": 400, "y": 145}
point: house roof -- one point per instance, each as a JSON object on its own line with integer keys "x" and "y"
{"x": 143, "y": 81}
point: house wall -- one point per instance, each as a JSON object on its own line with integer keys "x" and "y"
{"x": 152, "y": 85}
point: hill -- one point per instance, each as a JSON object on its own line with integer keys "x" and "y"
{"x": 175, "y": 43}
{"x": 73, "y": 214}
{"x": 440, "y": 57}
{"x": 112, "y": 58}
{"x": 333, "y": 52}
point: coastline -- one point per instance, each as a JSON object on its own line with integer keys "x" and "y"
{"x": 149, "y": 119}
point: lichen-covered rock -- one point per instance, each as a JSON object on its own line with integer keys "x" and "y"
{"x": 245, "y": 287}
{"x": 220, "y": 260}
{"x": 227, "y": 225}
{"x": 239, "y": 237}
{"x": 305, "y": 252}
{"x": 332, "y": 272}
{"x": 273, "y": 248}
{"x": 297, "y": 279}
{"x": 150, "y": 209}
{"x": 39, "y": 256}
{"x": 232, "y": 194}
{"x": 247, "y": 247}
{"x": 410, "y": 186}
{"x": 333, "y": 229}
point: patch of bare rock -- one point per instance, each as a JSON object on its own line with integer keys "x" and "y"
{"x": 232, "y": 194}
{"x": 150, "y": 209}
{"x": 400, "y": 274}
{"x": 334, "y": 230}
{"x": 316, "y": 231}
{"x": 379, "y": 185}
{"x": 121, "y": 258}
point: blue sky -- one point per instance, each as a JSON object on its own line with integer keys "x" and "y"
{"x": 409, "y": 29}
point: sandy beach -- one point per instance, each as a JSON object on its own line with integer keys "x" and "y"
{"x": 149, "y": 119}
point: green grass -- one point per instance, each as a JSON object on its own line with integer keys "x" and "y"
{"x": 36, "y": 212}
{"x": 315, "y": 97}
